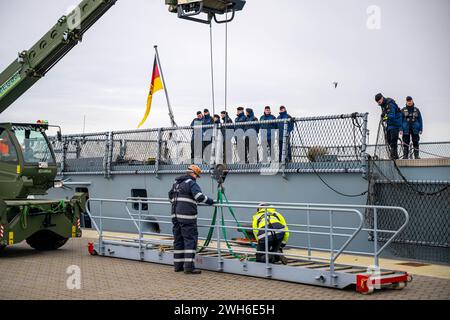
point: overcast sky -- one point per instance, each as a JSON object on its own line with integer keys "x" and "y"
{"x": 280, "y": 52}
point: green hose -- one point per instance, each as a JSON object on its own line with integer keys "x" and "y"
{"x": 220, "y": 197}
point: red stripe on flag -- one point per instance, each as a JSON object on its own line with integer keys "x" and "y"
{"x": 155, "y": 74}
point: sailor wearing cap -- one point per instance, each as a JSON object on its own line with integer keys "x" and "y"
{"x": 277, "y": 239}
{"x": 412, "y": 127}
{"x": 392, "y": 116}
{"x": 184, "y": 195}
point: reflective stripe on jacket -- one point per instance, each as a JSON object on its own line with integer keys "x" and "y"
{"x": 276, "y": 221}
{"x": 184, "y": 195}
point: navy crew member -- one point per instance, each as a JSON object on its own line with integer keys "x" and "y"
{"x": 277, "y": 239}
{"x": 392, "y": 116}
{"x": 266, "y": 132}
{"x": 184, "y": 195}
{"x": 197, "y": 122}
{"x": 412, "y": 127}
{"x": 290, "y": 127}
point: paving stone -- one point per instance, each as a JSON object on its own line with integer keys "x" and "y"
{"x": 29, "y": 274}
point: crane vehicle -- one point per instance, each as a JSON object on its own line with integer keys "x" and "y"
{"x": 28, "y": 166}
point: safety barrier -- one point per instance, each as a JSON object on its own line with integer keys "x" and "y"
{"x": 327, "y": 144}
{"x": 427, "y": 150}
{"x": 109, "y": 246}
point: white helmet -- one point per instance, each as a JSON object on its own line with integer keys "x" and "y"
{"x": 263, "y": 205}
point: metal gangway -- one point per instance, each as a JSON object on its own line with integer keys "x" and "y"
{"x": 304, "y": 263}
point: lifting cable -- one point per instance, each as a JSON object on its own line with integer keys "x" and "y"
{"x": 226, "y": 59}
{"x": 212, "y": 67}
{"x": 408, "y": 183}
{"x": 212, "y": 64}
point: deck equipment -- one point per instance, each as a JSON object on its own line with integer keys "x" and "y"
{"x": 306, "y": 264}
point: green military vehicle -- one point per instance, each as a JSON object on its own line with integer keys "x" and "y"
{"x": 27, "y": 162}
{"x": 28, "y": 169}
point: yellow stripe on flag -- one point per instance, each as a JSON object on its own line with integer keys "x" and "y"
{"x": 155, "y": 85}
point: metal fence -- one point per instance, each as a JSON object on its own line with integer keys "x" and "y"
{"x": 326, "y": 144}
{"x": 429, "y": 210}
{"x": 427, "y": 150}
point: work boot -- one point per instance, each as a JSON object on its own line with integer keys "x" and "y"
{"x": 416, "y": 154}
{"x": 192, "y": 271}
{"x": 179, "y": 269}
{"x": 283, "y": 260}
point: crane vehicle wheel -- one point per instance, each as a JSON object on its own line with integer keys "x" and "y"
{"x": 46, "y": 240}
{"x": 2, "y": 247}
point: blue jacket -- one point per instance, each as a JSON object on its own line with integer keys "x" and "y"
{"x": 252, "y": 118}
{"x": 240, "y": 118}
{"x": 268, "y": 126}
{"x": 227, "y": 119}
{"x": 411, "y": 120}
{"x": 184, "y": 195}
{"x": 196, "y": 122}
{"x": 207, "y": 119}
{"x": 290, "y": 125}
{"x": 392, "y": 112}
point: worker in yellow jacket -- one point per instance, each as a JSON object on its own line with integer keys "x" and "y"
{"x": 277, "y": 239}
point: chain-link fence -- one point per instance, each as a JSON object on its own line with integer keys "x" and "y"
{"x": 429, "y": 210}
{"x": 327, "y": 143}
{"x": 81, "y": 153}
{"x": 427, "y": 150}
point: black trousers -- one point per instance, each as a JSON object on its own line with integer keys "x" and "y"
{"x": 267, "y": 150}
{"x": 200, "y": 156}
{"x": 392, "y": 140}
{"x": 407, "y": 141}
{"x": 185, "y": 235}
{"x": 192, "y": 149}
{"x": 275, "y": 240}
{"x": 288, "y": 149}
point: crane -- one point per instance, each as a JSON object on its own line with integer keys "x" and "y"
{"x": 27, "y": 161}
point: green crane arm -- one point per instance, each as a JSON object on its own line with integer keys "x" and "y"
{"x": 33, "y": 64}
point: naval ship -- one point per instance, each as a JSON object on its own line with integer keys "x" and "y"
{"x": 339, "y": 193}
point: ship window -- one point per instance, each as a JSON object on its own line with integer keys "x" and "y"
{"x": 139, "y": 193}
{"x": 7, "y": 151}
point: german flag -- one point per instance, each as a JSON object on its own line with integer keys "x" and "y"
{"x": 155, "y": 85}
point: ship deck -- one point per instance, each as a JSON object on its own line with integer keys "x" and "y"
{"x": 42, "y": 275}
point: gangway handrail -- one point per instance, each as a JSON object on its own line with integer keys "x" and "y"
{"x": 280, "y": 205}
{"x": 377, "y": 252}
{"x": 333, "y": 255}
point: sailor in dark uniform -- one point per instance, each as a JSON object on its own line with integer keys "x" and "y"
{"x": 184, "y": 195}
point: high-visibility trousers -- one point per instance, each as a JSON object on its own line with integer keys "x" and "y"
{"x": 185, "y": 235}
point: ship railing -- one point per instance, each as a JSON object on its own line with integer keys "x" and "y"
{"x": 331, "y": 230}
{"x": 335, "y": 142}
{"x": 427, "y": 150}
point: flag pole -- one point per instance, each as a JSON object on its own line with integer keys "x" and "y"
{"x": 172, "y": 118}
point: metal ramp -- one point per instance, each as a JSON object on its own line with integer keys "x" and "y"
{"x": 305, "y": 268}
